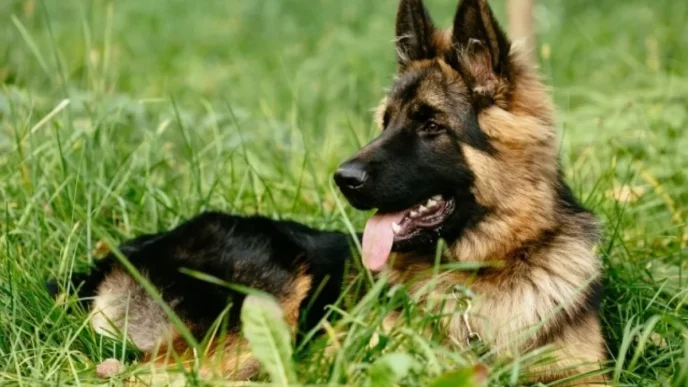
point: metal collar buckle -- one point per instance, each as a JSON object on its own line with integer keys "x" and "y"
{"x": 463, "y": 297}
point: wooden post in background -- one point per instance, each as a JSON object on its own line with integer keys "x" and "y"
{"x": 520, "y": 14}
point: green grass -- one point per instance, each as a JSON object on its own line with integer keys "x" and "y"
{"x": 175, "y": 107}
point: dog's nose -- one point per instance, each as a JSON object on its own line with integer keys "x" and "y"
{"x": 351, "y": 175}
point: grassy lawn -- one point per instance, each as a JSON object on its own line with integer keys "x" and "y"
{"x": 124, "y": 117}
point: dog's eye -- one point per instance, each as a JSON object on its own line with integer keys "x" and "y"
{"x": 432, "y": 128}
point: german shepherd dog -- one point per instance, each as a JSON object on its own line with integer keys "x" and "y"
{"x": 468, "y": 154}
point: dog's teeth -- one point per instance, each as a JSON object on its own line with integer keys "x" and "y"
{"x": 436, "y": 197}
{"x": 422, "y": 209}
{"x": 431, "y": 203}
{"x": 396, "y": 228}
{"x": 413, "y": 214}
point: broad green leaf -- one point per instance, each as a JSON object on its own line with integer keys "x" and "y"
{"x": 462, "y": 377}
{"x": 390, "y": 369}
{"x": 269, "y": 338}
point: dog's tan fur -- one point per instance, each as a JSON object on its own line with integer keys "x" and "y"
{"x": 538, "y": 294}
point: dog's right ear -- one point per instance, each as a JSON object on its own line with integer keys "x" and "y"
{"x": 415, "y": 32}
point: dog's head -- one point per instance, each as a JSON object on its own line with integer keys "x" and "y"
{"x": 466, "y": 133}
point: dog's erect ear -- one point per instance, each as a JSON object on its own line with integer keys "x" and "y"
{"x": 482, "y": 46}
{"x": 414, "y": 32}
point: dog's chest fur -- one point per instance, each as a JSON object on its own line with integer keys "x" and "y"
{"x": 546, "y": 294}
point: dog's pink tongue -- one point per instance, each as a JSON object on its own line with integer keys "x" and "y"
{"x": 378, "y": 239}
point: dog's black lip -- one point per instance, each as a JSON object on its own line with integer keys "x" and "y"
{"x": 359, "y": 205}
{"x": 414, "y": 234}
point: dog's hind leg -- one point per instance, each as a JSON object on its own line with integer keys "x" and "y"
{"x": 122, "y": 305}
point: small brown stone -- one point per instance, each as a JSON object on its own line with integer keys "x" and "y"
{"x": 109, "y": 368}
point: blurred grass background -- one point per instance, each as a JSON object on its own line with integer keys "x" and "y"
{"x": 248, "y": 106}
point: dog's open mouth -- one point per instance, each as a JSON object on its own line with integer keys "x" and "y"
{"x": 429, "y": 216}
{"x": 383, "y": 230}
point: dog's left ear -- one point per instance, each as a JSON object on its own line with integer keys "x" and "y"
{"x": 482, "y": 48}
